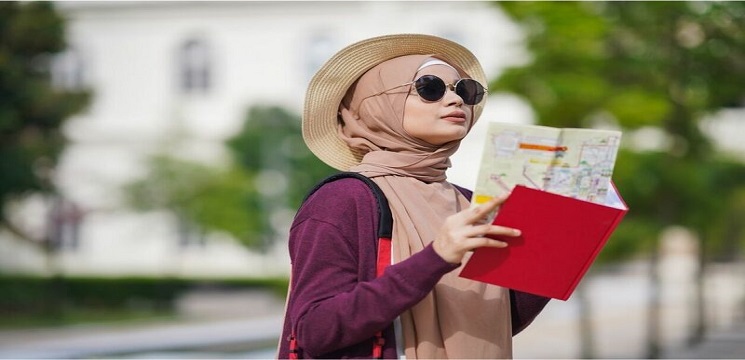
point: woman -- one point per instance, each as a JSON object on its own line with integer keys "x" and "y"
{"x": 395, "y": 108}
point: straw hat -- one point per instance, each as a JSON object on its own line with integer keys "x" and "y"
{"x": 331, "y": 82}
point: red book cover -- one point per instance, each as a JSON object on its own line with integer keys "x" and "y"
{"x": 561, "y": 237}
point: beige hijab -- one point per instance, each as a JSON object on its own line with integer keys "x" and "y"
{"x": 460, "y": 318}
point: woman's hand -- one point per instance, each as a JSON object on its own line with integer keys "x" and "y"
{"x": 466, "y": 231}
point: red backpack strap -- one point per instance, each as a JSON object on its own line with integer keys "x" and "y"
{"x": 384, "y": 233}
{"x": 292, "y": 354}
{"x": 384, "y": 259}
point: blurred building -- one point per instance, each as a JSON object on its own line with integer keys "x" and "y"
{"x": 183, "y": 74}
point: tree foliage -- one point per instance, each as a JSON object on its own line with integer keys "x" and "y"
{"x": 270, "y": 140}
{"x": 32, "y": 112}
{"x": 271, "y": 147}
{"x": 640, "y": 64}
{"x": 202, "y": 198}
{"x": 268, "y": 175}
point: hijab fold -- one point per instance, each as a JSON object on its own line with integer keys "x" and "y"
{"x": 460, "y": 318}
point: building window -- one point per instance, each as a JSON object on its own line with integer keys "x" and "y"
{"x": 67, "y": 70}
{"x": 65, "y": 219}
{"x": 189, "y": 234}
{"x": 195, "y": 66}
{"x": 320, "y": 48}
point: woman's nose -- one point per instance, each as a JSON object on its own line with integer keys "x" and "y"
{"x": 451, "y": 96}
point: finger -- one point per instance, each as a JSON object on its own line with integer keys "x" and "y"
{"x": 484, "y": 209}
{"x": 488, "y": 229}
{"x": 504, "y": 230}
{"x": 477, "y": 242}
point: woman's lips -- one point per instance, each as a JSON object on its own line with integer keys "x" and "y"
{"x": 455, "y": 116}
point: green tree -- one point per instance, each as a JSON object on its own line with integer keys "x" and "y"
{"x": 635, "y": 64}
{"x": 271, "y": 147}
{"x": 201, "y": 198}
{"x": 31, "y": 110}
{"x": 268, "y": 174}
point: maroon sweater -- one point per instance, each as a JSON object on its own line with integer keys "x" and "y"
{"x": 337, "y": 304}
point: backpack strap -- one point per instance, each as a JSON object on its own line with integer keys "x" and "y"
{"x": 385, "y": 225}
{"x": 384, "y": 234}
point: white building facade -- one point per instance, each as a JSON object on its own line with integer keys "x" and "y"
{"x": 184, "y": 74}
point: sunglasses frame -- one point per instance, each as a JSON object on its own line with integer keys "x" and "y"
{"x": 451, "y": 87}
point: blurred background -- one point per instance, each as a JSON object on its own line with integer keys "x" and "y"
{"x": 151, "y": 163}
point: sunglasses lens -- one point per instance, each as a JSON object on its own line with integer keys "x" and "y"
{"x": 430, "y": 87}
{"x": 470, "y": 91}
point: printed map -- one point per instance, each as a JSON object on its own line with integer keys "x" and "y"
{"x": 572, "y": 162}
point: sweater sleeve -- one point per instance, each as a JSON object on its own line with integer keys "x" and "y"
{"x": 336, "y": 300}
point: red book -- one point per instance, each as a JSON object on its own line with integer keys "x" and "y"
{"x": 561, "y": 237}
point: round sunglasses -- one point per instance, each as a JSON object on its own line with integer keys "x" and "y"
{"x": 432, "y": 88}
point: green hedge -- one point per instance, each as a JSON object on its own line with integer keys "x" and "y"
{"x": 28, "y": 295}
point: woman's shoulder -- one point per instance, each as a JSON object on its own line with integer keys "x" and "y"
{"x": 339, "y": 198}
{"x": 342, "y": 190}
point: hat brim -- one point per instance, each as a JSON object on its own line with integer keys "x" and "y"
{"x": 329, "y": 85}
